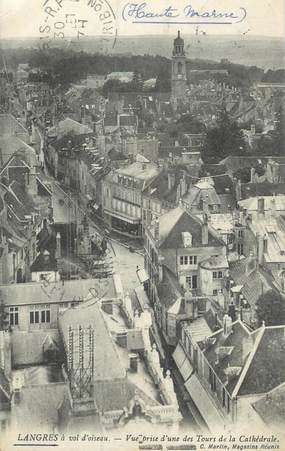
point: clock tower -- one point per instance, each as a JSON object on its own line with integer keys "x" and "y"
{"x": 178, "y": 70}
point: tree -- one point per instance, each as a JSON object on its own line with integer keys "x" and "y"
{"x": 274, "y": 142}
{"x": 223, "y": 140}
{"x": 270, "y": 308}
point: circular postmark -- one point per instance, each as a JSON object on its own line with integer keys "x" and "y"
{"x": 79, "y": 24}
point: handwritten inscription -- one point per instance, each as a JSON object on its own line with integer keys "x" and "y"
{"x": 143, "y": 13}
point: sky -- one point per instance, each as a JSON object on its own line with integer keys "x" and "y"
{"x": 23, "y": 18}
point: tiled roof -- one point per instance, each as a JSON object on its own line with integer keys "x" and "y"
{"x": 267, "y": 366}
{"x": 107, "y": 362}
{"x": 69, "y": 290}
{"x": 251, "y": 203}
{"x": 9, "y": 125}
{"x": 178, "y": 220}
{"x": 68, "y": 125}
{"x": 199, "y": 329}
{"x": 169, "y": 289}
{"x": 200, "y": 192}
{"x": 262, "y": 189}
{"x": 159, "y": 188}
{"x": 213, "y": 169}
{"x": 219, "y": 261}
{"x": 236, "y": 357}
{"x": 271, "y": 407}
{"x": 255, "y": 283}
{"x": 142, "y": 171}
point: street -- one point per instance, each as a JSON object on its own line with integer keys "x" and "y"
{"x": 125, "y": 264}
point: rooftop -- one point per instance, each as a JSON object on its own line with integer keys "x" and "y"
{"x": 271, "y": 203}
{"x": 247, "y": 362}
{"x": 69, "y": 125}
{"x": 141, "y": 171}
{"x": 108, "y": 365}
{"x": 227, "y": 350}
{"x": 215, "y": 262}
{"x": 178, "y": 220}
{"x": 63, "y": 291}
{"x": 271, "y": 407}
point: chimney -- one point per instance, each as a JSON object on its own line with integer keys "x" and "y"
{"x": 58, "y": 245}
{"x": 183, "y": 185}
{"x": 252, "y": 129}
{"x": 252, "y": 175}
{"x": 232, "y": 311}
{"x": 171, "y": 180}
{"x": 227, "y": 325}
{"x": 205, "y": 230}
{"x": 260, "y": 205}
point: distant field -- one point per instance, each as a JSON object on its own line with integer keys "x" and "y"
{"x": 267, "y": 53}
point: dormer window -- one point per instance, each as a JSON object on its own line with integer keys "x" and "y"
{"x": 187, "y": 239}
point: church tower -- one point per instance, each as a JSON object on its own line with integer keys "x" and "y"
{"x": 178, "y": 71}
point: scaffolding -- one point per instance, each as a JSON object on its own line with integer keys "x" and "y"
{"x": 80, "y": 362}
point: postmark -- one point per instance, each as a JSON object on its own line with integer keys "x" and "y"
{"x": 73, "y": 22}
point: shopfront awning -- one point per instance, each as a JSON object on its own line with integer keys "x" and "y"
{"x": 182, "y": 362}
{"x": 186, "y": 369}
{"x": 179, "y": 356}
{"x": 204, "y": 403}
{"x": 122, "y": 217}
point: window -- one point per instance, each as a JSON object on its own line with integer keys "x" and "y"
{"x": 188, "y": 260}
{"x": 212, "y": 380}
{"x": 240, "y": 233}
{"x": 217, "y": 274}
{"x": 40, "y": 314}
{"x": 192, "y": 281}
{"x": 240, "y": 249}
{"x": 34, "y": 316}
{"x": 215, "y": 292}
{"x": 13, "y": 316}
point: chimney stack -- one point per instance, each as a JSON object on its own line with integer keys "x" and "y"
{"x": 205, "y": 230}
{"x": 58, "y": 245}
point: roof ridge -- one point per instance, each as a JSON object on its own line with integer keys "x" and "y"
{"x": 248, "y": 363}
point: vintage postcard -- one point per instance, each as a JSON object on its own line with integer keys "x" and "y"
{"x": 142, "y": 225}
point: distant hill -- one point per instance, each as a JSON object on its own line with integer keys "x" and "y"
{"x": 264, "y": 52}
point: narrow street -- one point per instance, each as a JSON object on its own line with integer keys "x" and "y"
{"x": 125, "y": 264}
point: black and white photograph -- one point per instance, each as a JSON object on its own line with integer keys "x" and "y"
{"x": 142, "y": 225}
